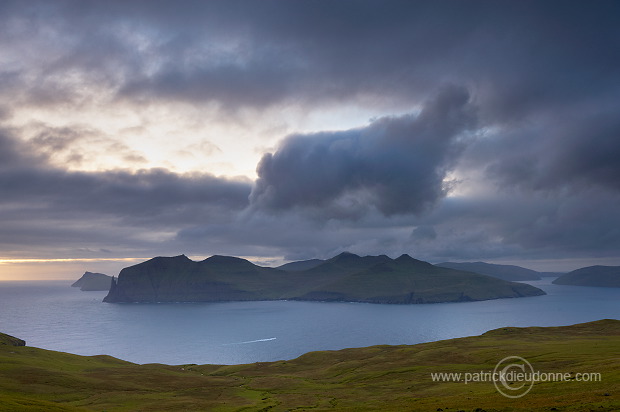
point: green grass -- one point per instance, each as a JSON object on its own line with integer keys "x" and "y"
{"x": 386, "y": 378}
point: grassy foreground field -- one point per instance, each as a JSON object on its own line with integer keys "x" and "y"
{"x": 385, "y": 378}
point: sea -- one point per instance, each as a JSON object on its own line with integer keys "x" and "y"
{"x": 55, "y": 316}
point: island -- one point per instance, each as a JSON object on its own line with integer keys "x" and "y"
{"x": 375, "y": 378}
{"x": 506, "y": 272}
{"x": 603, "y": 276}
{"x": 343, "y": 278}
{"x": 93, "y": 282}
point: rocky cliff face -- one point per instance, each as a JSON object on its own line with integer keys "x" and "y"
{"x": 346, "y": 277}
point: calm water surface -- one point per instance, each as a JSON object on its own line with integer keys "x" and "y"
{"x": 52, "y": 315}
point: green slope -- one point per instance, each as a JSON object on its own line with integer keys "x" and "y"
{"x": 314, "y": 280}
{"x": 378, "y": 378}
{"x": 408, "y": 280}
{"x": 603, "y": 276}
{"x": 346, "y": 277}
{"x": 506, "y": 272}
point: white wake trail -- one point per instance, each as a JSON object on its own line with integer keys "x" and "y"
{"x": 250, "y": 341}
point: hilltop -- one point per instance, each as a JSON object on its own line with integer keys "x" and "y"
{"x": 93, "y": 281}
{"x": 506, "y": 272}
{"x": 346, "y": 277}
{"x": 390, "y": 378}
{"x": 301, "y": 265}
{"x": 603, "y": 276}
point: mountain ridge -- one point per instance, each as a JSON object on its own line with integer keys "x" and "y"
{"x": 598, "y": 275}
{"x": 506, "y": 272}
{"x": 345, "y": 277}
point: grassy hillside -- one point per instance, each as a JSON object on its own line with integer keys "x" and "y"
{"x": 603, "y": 276}
{"x": 379, "y": 279}
{"x": 386, "y": 378}
{"x": 346, "y": 277}
{"x": 506, "y": 272}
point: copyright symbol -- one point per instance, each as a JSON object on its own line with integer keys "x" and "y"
{"x": 514, "y": 375}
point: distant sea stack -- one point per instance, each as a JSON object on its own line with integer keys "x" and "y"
{"x": 93, "y": 282}
{"x": 506, "y": 272}
{"x": 603, "y": 276}
{"x": 343, "y": 278}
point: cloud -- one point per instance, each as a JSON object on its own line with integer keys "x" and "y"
{"x": 424, "y": 233}
{"x": 39, "y": 196}
{"x": 528, "y": 141}
{"x": 521, "y": 57}
{"x": 396, "y": 164}
{"x": 521, "y": 224}
{"x": 579, "y": 149}
{"x": 76, "y": 146}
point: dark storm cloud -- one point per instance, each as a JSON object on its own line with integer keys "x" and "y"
{"x": 307, "y": 52}
{"x": 572, "y": 149}
{"x": 521, "y": 56}
{"x": 487, "y": 228}
{"x": 396, "y": 164}
{"x": 154, "y": 193}
{"x": 295, "y": 237}
{"x": 542, "y": 225}
{"x": 522, "y": 60}
{"x": 34, "y": 191}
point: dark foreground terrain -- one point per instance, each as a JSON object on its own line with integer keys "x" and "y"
{"x": 385, "y": 378}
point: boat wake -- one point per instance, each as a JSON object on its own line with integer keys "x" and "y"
{"x": 250, "y": 341}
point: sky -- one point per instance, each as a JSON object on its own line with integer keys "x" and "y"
{"x": 290, "y": 130}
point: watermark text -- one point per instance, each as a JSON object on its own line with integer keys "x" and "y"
{"x": 514, "y": 376}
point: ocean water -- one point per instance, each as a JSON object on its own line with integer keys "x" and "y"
{"x": 52, "y": 315}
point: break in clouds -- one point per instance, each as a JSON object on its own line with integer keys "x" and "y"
{"x": 494, "y": 130}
